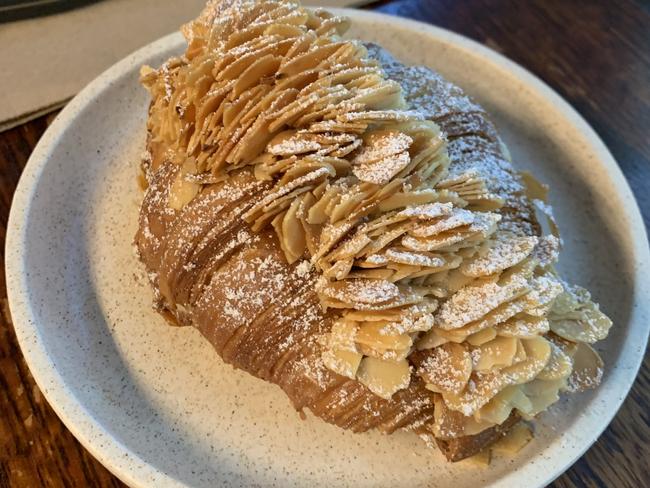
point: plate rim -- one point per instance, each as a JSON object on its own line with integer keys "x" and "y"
{"x": 137, "y": 472}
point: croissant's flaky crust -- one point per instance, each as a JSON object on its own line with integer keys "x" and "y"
{"x": 228, "y": 247}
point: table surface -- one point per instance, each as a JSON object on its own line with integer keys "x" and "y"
{"x": 594, "y": 53}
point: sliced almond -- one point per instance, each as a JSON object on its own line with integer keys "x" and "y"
{"x": 587, "y": 369}
{"x": 447, "y": 368}
{"x": 384, "y": 378}
{"x": 497, "y": 353}
{"x": 345, "y": 363}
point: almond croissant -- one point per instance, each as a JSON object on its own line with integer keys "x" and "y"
{"x": 352, "y": 230}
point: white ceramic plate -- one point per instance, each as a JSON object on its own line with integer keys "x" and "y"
{"x": 157, "y": 406}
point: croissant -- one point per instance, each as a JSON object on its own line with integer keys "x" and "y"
{"x": 352, "y": 229}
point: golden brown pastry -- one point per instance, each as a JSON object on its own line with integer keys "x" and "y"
{"x": 352, "y": 230}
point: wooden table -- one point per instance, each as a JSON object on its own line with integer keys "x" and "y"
{"x": 596, "y": 54}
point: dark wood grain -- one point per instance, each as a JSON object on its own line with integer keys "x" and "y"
{"x": 35, "y": 447}
{"x": 595, "y": 53}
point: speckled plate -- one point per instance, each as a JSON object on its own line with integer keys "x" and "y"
{"x": 157, "y": 406}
